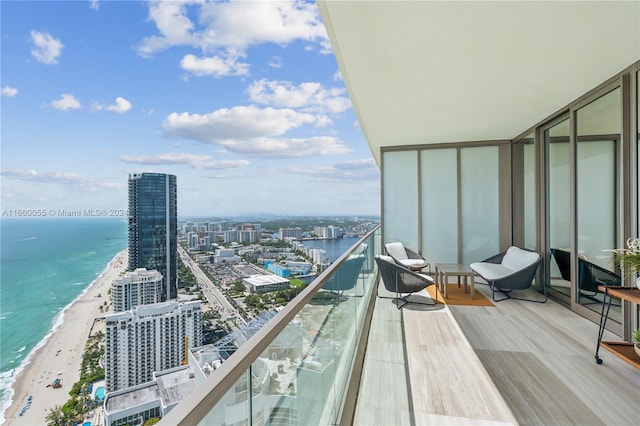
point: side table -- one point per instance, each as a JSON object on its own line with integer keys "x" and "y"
{"x": 446, "y": 270}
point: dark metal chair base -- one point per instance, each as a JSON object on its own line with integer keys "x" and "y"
{"x": 495, "y": 288}
{"x": 398, "y": 299}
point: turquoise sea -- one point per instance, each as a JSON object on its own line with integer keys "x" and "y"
{"x": 46, "y": 264}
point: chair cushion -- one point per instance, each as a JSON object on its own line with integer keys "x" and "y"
{"x": 396, "y": 250}
{"x": 491, "y": 271}
{"x": 386, "y": 258}
{"x": 413, "y": 263}
{"x": 517, "y": 259}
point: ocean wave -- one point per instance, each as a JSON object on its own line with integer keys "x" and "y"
{"x": 7, "y": 378}
{"x": 20, "y": 350}
{"x": 27, "y": 239}
{"x": 6, "y": 391}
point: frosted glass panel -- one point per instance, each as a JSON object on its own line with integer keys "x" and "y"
{"x": 439, "y": 205}
{"x": 529, "y": 196}
{"x": 400, "y": 204}
{"x": 480, "y": 203}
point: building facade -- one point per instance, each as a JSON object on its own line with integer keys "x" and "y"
{"x": 290, "y": 233}
{"x": 140, "y": 287}
{"x": 147, "y": 339}
{"x": 153, "y": 227}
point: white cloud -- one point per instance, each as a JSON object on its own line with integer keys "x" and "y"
{"x": 365, "y": 169}
{"x": 121, "y": 106}
{"x": 243, "y": 24}
{"x": 49, "y": 177}
{"x": 46, "y": 49}
{"x": 9, "y": 91}
{"x": 310, "y": 96}
{"x": 66, "y": 102}
{"x": 235, "y": 123}
{"x": 276, "y": 62}
{"x": 217, "y": 66}
{"x": 253, "y": 131}
{"x": 286, "y": 147}
{"x": 95, "y": 5}
{"x": 174, "y": 26}
{"x": 196, "y": 161}
{"x": 225, "y": 30}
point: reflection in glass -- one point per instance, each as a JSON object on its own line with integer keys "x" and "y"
{"x": 556, "y": 141}
{"x": 598, "y": 134}
{"x": 302, "y": 376}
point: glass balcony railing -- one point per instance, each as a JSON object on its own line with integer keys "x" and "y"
{"x": 299, "y": 367}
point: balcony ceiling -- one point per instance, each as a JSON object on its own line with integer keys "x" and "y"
{"x": 422, "y": 72}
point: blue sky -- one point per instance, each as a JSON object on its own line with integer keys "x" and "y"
{"x": 242, "y": 101}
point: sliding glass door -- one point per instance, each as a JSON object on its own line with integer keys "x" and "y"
{"x": 558, "y": 213}
{"x": 597, "y": 140}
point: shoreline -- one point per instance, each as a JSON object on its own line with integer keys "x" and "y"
{"x": 58, "y": 354}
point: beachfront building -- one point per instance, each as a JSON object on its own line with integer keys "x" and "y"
{"x": 149, "y": 338}
{"x": 153, "y": 227}
{"x": 140, "y": 287}
{"x": 137, "y": 404}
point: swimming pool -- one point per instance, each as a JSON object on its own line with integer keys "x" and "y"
{"x": 86, "y": 424}
{"x": 99, "y": 395}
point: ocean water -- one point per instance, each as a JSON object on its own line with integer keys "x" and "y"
{"x": 45, "y": 264}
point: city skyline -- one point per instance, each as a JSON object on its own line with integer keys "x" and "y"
{"x": 242, "y": 101}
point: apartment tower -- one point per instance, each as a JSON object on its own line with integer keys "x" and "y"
{"x": 140, "y": 287}
{"x": 149, "y": 338}
{"x": 153, "y": 227}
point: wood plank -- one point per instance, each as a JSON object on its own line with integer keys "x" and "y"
{"x": 624, "y": 351}
{"x": 632, "y": 294}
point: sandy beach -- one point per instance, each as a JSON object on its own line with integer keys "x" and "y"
{"x": 60, "y": 357}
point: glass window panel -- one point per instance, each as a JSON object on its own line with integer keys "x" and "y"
{"x": 598, "y": 125}
{"x": 400, "y": 209}
{"x": 559, "y": 207}
{"x": 480, "y": 203}
{"x": 439, "y": 205}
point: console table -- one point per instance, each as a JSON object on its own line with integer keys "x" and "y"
{"x": 623, "y": 350}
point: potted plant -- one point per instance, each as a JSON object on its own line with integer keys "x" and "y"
{"x": 635, "y": 337}
{"x": 629, "y": 258}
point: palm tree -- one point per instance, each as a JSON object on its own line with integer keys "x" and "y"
{"x": 55, "y": 417}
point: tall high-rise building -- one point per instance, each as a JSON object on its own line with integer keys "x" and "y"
{"x": 153, "y": 227}
{"x": 149, "y": 338}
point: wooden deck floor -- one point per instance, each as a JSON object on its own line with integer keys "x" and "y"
{"x": 514, "y": 363}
